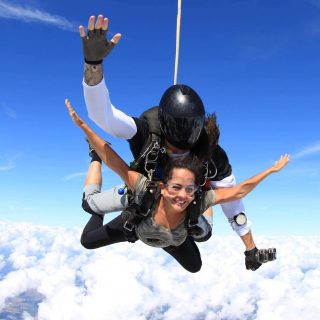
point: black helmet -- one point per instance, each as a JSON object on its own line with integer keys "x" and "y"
{"x": 181, "y": 116}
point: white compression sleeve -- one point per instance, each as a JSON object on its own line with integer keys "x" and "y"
{"x": 231, "y": 208}
{"x": 105, "y": 115}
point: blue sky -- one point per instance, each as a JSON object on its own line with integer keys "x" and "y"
{"x": 255, "y": 63}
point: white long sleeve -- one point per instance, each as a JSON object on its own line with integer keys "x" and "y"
{"x": 105, "y": 115}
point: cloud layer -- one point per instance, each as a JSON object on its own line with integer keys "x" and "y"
{"x": 133, "y": 281}
{"x": 311, "y": 150}
{"x": 28, "y": 14}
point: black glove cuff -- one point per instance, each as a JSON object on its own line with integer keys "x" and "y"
{"x": 94, "y": 63}
{"x": 251, "y": 253}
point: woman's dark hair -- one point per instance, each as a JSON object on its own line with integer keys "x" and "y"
{"x": 190, "y": 162}
{"x": 209, "y": 138}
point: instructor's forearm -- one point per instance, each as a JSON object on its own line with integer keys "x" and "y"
{"x": 93, "y": 74}
{"x": 248, "y": 241}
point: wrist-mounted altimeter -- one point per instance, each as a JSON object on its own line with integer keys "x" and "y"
{"x": 240, "y": 219}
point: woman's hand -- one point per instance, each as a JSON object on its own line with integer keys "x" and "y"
{"x": 75, "y": 118}
{"x": 241, "y": 190}
{"x": 282, "y": 162}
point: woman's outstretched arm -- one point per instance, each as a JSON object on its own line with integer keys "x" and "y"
{"x": 105, "y": 152}
{"x": 241, "y": 190}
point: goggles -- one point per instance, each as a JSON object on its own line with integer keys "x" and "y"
{"x": 175, "y": 188}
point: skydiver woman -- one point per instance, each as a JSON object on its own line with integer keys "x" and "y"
{"x": 164, "y": 226}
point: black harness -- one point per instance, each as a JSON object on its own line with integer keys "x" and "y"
{"x": 193, "y": 211}
{"x": 135, "y": 213}
{"x": 152, "y": 154}
{"x": 151, "y": 157}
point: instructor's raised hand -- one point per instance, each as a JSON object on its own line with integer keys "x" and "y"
{"x": 95, "y": 44}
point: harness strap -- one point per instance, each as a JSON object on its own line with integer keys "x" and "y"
{"x": 148, "y": 160}
{"x": 135, "y": 213}
{"x": 193, "y": 213}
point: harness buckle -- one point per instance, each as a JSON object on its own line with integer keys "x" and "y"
{"x": 151, "y": 165}
{"x": 146, "y": 213}
{"x": 163, "y": 150}
{"x": 151, "y": 158}
{"x": 128, "y": 226}
{"x": 152, "y": 185}
{"x": 150, "y": 174}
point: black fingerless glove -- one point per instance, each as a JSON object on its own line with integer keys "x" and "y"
{"x": 96, "y": 46}
{"x": 251, "y": 259}
{"x": 255, "y": 257}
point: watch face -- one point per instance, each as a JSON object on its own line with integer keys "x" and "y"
{"x": 240, "y": 219}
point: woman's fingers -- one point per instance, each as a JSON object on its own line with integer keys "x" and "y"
{"x": 67, "y": 102}
{"x": 72, "y": 113}
{"x": 284, "y": 159}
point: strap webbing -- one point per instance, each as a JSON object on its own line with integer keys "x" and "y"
{"x": 135, "y": 213}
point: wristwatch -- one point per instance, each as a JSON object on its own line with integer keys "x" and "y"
{"x": 240, "y": 219}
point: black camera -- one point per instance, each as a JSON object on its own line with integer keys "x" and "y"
{"x": 265, "y": 255}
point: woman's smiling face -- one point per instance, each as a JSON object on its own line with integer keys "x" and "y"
{"x": 179, "y": 190}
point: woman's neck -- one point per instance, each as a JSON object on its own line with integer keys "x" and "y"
{"x": 166, "y": 216}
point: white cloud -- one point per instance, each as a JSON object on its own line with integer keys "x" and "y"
{"x": 9, "y": 162}
{"x": 11, "y": 113}
{"x": 311, "y": 150}
{"x": 310, "y": 171}
{"x": 2, "y": 262}
{"x": 134, "y": 281}
{"x": 75, "y": 175}
{"x": 82, "y": 174}
{"x": 7, "y": 166}
{"x": 15, "y": 208}
{"x": 28, "y": 14}
{"x": 7, "y": 110}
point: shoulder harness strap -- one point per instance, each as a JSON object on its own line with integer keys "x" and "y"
{"x": 148, "y": 160}
{"x": 135, "y": 213}
{"x": 193, "y": 213}
{"x": 149, "y": 155}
